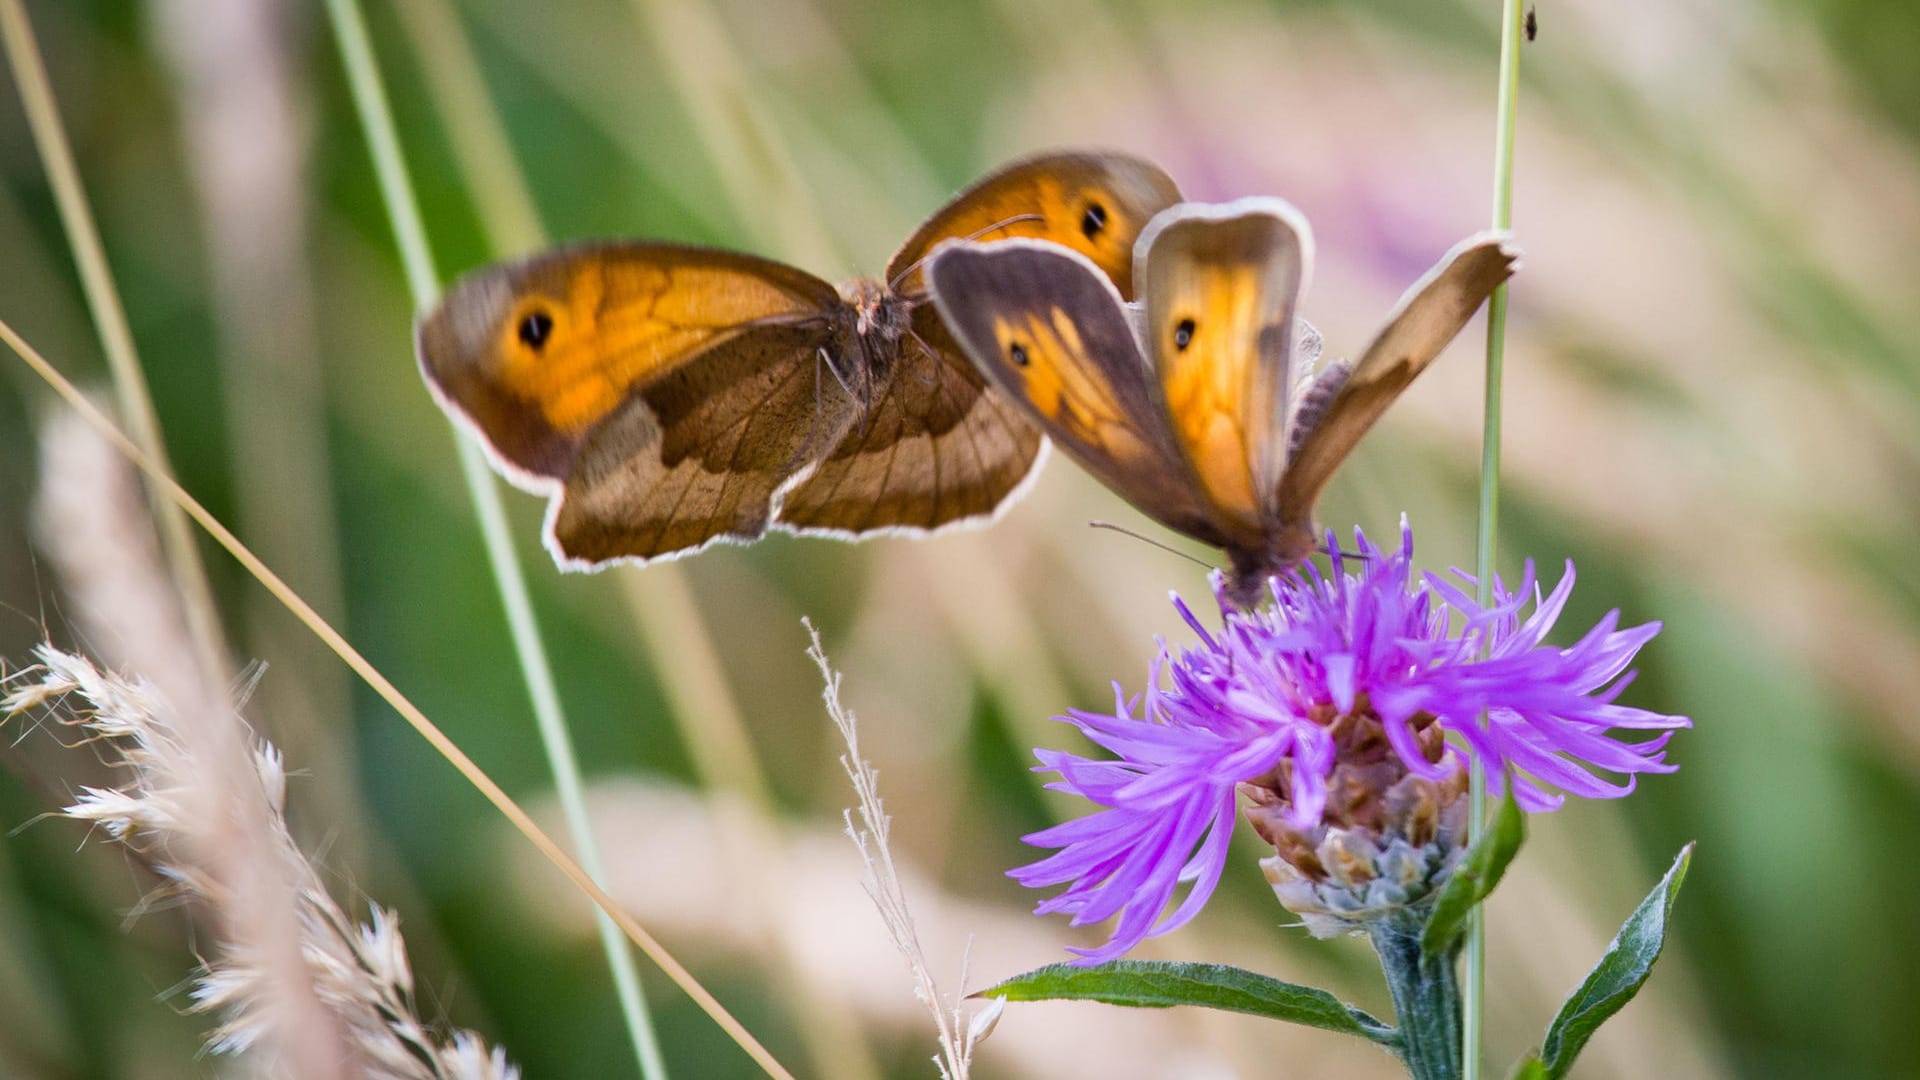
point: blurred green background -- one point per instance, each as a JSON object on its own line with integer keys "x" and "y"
{"x": 1711, "y": 407}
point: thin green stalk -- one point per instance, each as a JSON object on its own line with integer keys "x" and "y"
{"x": 673, "y": 632}
{"x": 1476, "y": 947}
{"x": 116, "y": 337}
{"x": 396, "y": 188}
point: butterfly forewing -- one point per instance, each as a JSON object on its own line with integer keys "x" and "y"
{"x": 1429, "y": 316}
{"x": 1219, "y": 288}
{"x": 535, "y": 353}
{"x": 1094, "y": 203}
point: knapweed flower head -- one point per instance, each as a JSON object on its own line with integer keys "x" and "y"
{"x": 1330, "y": 710}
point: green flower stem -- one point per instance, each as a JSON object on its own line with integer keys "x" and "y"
{"x": 1489, "y": 524}
{"x": 397, "y": 189}
{"x": 116, "y": 338}
{"x": 1426, "y": 997}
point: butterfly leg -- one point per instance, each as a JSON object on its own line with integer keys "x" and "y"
{"x": 938, "y": 360}
{"x": 823, "y": 358}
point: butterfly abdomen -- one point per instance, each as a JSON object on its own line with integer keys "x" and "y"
{"x": 1310, "y": 405}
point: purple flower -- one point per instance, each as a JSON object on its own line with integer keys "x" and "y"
{"x": 1344, "y": 685}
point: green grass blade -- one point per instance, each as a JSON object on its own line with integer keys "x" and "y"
{"x": 397, "y": 190}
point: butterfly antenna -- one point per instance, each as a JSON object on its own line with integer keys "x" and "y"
{"x": 908, "y": 270}
{"x": 1124, "y": 531}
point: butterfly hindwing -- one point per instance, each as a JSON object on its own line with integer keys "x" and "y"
{"x": 937, "y": 446}
{"x": 700, "y": 452}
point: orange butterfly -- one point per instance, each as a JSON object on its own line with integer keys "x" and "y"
{"x": 1192, "y": 404}
{"x": 664, "y": 397}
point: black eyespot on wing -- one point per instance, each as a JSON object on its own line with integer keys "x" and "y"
{"x": 1183, "y": 335}
{"x": 535, "y": 328}
{"x": 1018, "y": 354}
{"x": 1093, "y": 220}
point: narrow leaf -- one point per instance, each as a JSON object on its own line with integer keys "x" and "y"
{"x": 1528, "y": 1068}
{"x": 1157, "y": 985}
{"x": 1619, "y": 974}
{"x": 1479, "y": 872}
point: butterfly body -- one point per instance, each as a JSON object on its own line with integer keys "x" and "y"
{"x": 873, "y": 331}
{"x": 665, "y": 397}
{"x": 1194, "y": 403}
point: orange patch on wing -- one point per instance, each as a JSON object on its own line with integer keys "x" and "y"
{"x": 1056, "y": 380}
{"x": 620, "y": 327}
{"x": 1206, "y": 383}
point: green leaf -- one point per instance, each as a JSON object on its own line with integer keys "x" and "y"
{"x": 1158, "y": 985}
{"x": 1479, "y": 872}
{"x": 1618, "y": 976}
{"x": 1529, "y": 1068}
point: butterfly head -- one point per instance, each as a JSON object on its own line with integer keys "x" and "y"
{"x": 1288, "y": 545}
{"x": 881, "y": 317}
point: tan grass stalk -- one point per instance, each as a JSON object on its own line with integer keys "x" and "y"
{"x": 244, "y": 116}
{"x": 708, "y": 906}
{"x": 197, "y": 805}
{"x": 958, "y": 1029}
{"x": 752, "y": 160}
{"x": 202, "y": 619}
{"x": 488, "y": 788}
{"x": 355, "y": 987}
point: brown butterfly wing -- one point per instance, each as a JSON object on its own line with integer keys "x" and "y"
{"x": 936, "y": 447}
{"x": 1051, "y": 332}
{"x": 939, "y": 445}
{"x": 570, "y": 363}
{"x": 615, "y": 316}
{"x": 700, "y": 453}
{"x": 1219, "y": 287}
{"x": 1427, "y": 318}
{"x": 1095, "y": 203}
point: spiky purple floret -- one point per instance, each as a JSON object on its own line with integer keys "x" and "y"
{"x": 1243, "y": 701}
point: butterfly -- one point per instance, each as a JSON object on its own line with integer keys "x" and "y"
{"x": 664, "y": 396}
{"x": 1195, "y": 404}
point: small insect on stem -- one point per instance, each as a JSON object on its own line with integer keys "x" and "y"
{"x": 1532, "y": 24}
